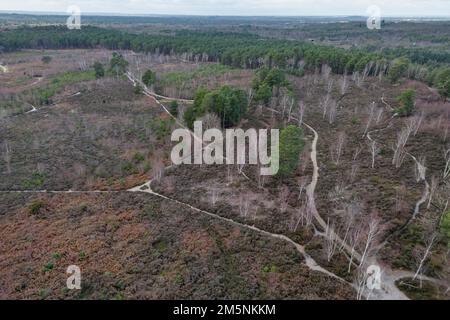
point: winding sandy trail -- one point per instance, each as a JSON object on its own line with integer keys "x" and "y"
{"x": 135, "y": 81}
{"x": 309, "y": 261}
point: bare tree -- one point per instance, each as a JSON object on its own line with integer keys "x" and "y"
{"x": 338, "y": 147}
{"x": 339, "y": 193}
{"x": 351, "y": 210}
{"x": 210, "y": 121}
{"x": 332, "y": 111}
{"x": 302, "y": 182}
{"x": 244, "y": 205}
{"x": 447, "y": 164}
{"x": 357, "y": 79}
{"x": 326, "y": 71}
{"x": 230, "y": 174}
{"x": 287, "y": 102}
{"x": 420, "y": 169}
{"x": 370, "y": 118}
{"x": 371, "y": 232}
{"x": 354, "y": 171}
{"x": 7, "y": 157}
{"x": 157, "y": 167}
{"x": 260, "y": 179}
{"x": 442, "y": 197}
{"x": 399, "y": 148}
{"x": 330, "y": 86}
{"x": 301, "y": 112}
{"x": 433, "y": 187}
{"x": 331, "y": 240}
{"x": 214, "y": 197}
{"x": 357, "y": 153}
{"x": 324, "y": 104}
{"x": 379, "y": 116}
{"x": 400, "y": 203}
{"x": 354, "y": 238}
{"x": 344, "y": 84}
{"x": 361, "y": 280}
{"x": 300, "y": 217}
{"x": 284, "y": 198}
{"x": 374, "y": 150}
{"x": 416, "y": 122}
{"x": 421, "y": 258}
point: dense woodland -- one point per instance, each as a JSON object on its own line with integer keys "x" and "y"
{"x": 243, "y": 50}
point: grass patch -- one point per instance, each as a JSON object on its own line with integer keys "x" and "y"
{"x": 179, "y": 78}
{"x": 44, "y": 95}
{"x": 36, "y": 206}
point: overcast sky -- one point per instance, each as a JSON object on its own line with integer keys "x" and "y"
{"x": 237, "y": 7}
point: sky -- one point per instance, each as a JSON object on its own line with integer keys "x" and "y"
{"x": 388, "y": 8}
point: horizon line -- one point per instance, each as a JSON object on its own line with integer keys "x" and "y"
{"x": 116, "y": 14}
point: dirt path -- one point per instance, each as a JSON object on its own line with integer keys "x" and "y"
{"x": 135, "y": 81}
{"x": 309, "y": 261}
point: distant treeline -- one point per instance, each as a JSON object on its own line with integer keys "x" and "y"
{"x": 233, "y": 49}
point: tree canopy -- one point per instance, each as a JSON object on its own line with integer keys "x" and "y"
{"x": 406, "y": 100}
{"x": 228, "y": 103}
{"x": 241, "y": 50}
{"x": 149, "y": 78}
{"x": 291, "y": 145}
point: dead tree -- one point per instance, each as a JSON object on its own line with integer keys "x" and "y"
{"x": 442, "y": 198}
{"x": 244, "y": 206}
{"x": 300, "y": 217}
{"x": 433, "y": 187}
{"x": 331, "y": 240}
{"x": 371, "y": 232}
{"x": 230, "y": 174}
{"x": 325, "y": 71}
{"x": 332, "y": 111}
{"x": 370, "y": 118}
{"x": 416, "y": 122}
{"x": 421, "y": 258}
{"x": 210, "y": 121}
{"x": 357, "y": 153}
{"x": 344, "y": 85}
{"x": 330, "y": 86}
{"x": 379, "y": 116}
{"x": 357, "y": 79}
{"x": 354, "y": 238}
{"x": 420, "y": 169}
{"x": 374, "y": 150}
{"x": 360, "y": 279}
{"x": 302, "y": 182}
{"x": 338, "y": 147}
{"x": 287, "y": 102}
{"x": 351, "y": 210}
{"x": 339, "y": 193}
{"x": 447, "y": 164}
{"x": 284, "y": 199}
{"x": 400, "y": 203}
{"x": 7, "y": 157}
{"x": 354, "y": 171}
{"x": 214, "y": 197}
{"x": 399, "y": 148}
{"x": 300, "y": 112}
{"x": 157, "y": 169}
{"x": 324, "y": 104}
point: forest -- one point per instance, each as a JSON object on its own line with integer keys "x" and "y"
{"x": 243, "y": 50}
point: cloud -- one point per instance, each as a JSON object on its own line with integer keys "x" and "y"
{"x": 239, "y": 7}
